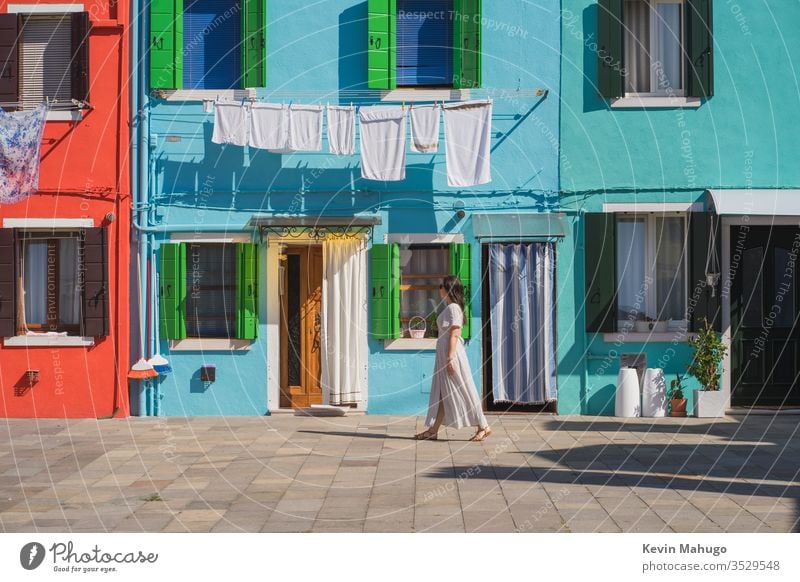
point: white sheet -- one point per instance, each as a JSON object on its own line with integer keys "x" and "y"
{"x": 342, "y": 130}
{"x": 230, "y": 123}
{"x": 467, "y": 135}
{"x": 269, "y": 126}
{"x": 344, "y": 321}
{"x": 425, "y": 128}
{"x": 383, "y": 143}
{"x": 305, "y": 128}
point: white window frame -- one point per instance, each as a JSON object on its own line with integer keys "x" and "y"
{"x": 670, "y": 94}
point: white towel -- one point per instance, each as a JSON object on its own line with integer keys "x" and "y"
{"x": 342, "y": 130}
{"x": 305, "y": 128}
{"x": 425, "y": 129}
{"x": 383, "y": 143}
{"x": 467, "y": 135}
{"x": 230, "y": 123}
{"x": 269, "y": 126}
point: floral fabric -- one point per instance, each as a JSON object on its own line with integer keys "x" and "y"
{"x": 20, "y": 140}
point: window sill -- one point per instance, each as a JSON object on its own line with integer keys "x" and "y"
{"x": 655, "y": 102}
{"x": 24, "y": 341}
{"x": 410, "y": 344}
{"x": 204, "y": 94}
{"x": 413, "y": 95}
{"x": 639, "y": 337}
{"x": 64, "y": 115}
{"x": 210, "y": 345}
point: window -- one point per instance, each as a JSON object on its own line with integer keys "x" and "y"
{"x": 43, "y": 56}
{"x": 422, "y": 268}
{"x": 208, "y": 290}
{"x": 654, "y": 34}
{"x": 430, "y": 43}
{"x": 207, "y": 44}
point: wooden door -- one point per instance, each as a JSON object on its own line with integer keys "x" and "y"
{"x": 765, "y": 350}
{"x": 301, "y": 305}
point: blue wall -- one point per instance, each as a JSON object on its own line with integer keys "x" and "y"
{"x": 743, "y": 137}
{"x": 313, "y": 52}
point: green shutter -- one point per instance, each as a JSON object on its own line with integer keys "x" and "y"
{"x": 166, "y": 44}
{"x": 385, "y": 295}
{"x": 382, "y": 44}
{"x": 701, "y": 304}
{"x": 610, "y": 60}
{"x": 172, "y": 291}
{"x": 700, "y": 52}
{"x": 254, "y": 33}
{"x": 467, "y": 44}
{"x": 600, "y": 252}
{"x": 461, "y": 267}
{"x": 246, "y": 291}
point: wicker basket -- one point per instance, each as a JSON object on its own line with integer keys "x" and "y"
{"x": 413, "y": 327}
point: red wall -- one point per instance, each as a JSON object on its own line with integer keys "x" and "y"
{"x": 84, "y": 174}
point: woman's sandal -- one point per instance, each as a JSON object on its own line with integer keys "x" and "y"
{"x": 481, "y": 434}
{"x": 427, "y": 435}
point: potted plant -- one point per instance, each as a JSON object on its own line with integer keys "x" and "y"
{"x": 644, "y": 323}
{"x": 677, "y": 401}
{"x": 709, "y": 402}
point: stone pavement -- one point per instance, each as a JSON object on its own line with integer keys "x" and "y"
{"x": 365, "y": 474}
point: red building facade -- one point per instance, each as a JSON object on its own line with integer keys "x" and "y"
{"x": 64, "y": 251}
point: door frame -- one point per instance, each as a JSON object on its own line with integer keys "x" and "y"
{"x": 727, "y": 284}
{"x": 274, "y": 244}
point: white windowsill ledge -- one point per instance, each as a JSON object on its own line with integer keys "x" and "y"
{"x": 64, "y": 116}
{"x": 209, "y": 345}
{"x": 206, "y": 94}
{"x": 639, "y": 337}
{"x": 654, "y": 102}
{"x": 25, "y": 341}
{"x": 407, "y": 343}
{"x": 413, "y": 95}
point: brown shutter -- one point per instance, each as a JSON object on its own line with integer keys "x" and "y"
{"x": 9, "y": 59}
{"x": 95, "y": 283}
{"x": 79, "y": 66}
{"x": 8, "y": 283}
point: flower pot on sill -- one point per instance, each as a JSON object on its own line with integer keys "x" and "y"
{"x": 709, "y": 403}
{"x": 677, "y": 407}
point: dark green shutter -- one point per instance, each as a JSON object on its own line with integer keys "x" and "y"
{"x": 9, "y": 59}
{"x": 254, "y": 33}
{"x": 95, "y": 282}
{"x": 700, "y": 52}
{"x": 166, "y": 44}
{"x": 382, "y": 44}
{"x": 8, "y": 282}
{"x": 461, "y": 267}
{"x": 172, "y": 291}
{"x": 610, "y": 56}
{"x": 467, "y": 44}
{"x": 385, "y": 294}
{"x": 79, "y": 65}
{"x": 600, "y": 254}
{"x": 246, "y": 291}
{"x": 700, "y": 301}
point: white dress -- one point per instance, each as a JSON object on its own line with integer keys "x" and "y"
{"x": 458, "y": 393}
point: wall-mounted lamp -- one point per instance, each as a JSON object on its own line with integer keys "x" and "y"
{"x": 208, "y": 373}
{"x": 32, "y": 376}
{"x": 459, "y": 206}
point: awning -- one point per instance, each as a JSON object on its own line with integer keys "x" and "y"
{"x": 755, "y": 202}
{"x": 314, "y": 227}
{"x": 520, "y": 225}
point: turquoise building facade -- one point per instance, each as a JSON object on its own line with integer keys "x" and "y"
{"x": 249, "y": 205}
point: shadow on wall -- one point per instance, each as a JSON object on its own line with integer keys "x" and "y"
{"x": 352, "y": 53}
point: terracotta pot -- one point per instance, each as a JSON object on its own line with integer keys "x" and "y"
{"x": 677, "y": 407}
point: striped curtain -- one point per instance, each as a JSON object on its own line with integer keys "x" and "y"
{"x": 522, "y": 314}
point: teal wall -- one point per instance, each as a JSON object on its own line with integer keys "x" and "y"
{"x": 742, "y": 137}
{"x": 314, "y": 51}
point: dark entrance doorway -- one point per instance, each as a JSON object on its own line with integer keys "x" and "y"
{"x": 765, "y": 351}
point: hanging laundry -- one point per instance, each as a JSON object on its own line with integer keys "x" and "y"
{"x": 383, "y": 143}
{"x": 230, "y": 123}
{"x": 425, "y": 129}
{"x": 342, "y": 130}
{"x": 269, "y": 126}
{"x": 20, "y": 141}
{"x": 305, "y": 128}
{"x": 467, "y": 134}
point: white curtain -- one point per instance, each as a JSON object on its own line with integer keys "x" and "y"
{"x": 637, "y": 46}
{"x": 668, "y": 23}
{"x": 344, "y": 320}
{"x": 631, "y": 250}
{"x": 69, "y": 296}
{"x": 34, "y": 277}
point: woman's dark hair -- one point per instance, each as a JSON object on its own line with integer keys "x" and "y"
{"x": 454, "y": 289}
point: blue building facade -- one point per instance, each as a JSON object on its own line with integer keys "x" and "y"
{"x": 231, "y": 240}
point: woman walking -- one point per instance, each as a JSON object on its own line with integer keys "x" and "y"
{"x": 454, "y": 398}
